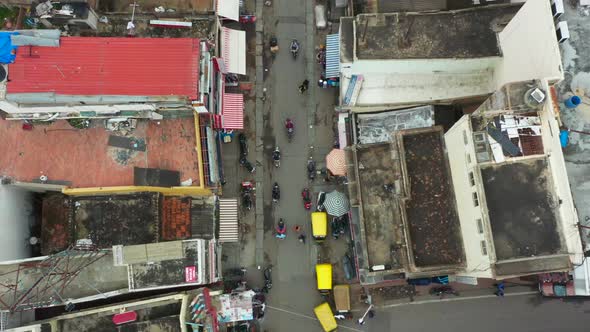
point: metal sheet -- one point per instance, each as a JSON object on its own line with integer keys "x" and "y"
{"x": 332, "y": 56}
{"x": 228, "y": 220}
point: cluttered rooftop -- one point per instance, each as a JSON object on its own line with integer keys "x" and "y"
{"x": 468, "y": 33}
{"x": 127, "y": 219}
{"x": 408, "y": 173}
{"x": 62, "y": 154}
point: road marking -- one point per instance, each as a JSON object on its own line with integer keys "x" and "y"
{"x": 309, "y": 317}
{"x": 452, "y": 299}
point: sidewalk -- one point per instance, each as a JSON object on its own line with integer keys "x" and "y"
{"x": 420, "y": 295}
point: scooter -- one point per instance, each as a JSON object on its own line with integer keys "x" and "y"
{"x": 276, "y": 193}
{"x": 281, "y": 230}
{"x": 243, "y": 145}
{"x": 306, "y": 199}
{"x": 290, "y": 126}
{"x": 294, "y": 48}
{"x": 276, "y": 157}
{"x": 248, "y": 165}
{"x": 274, "y": 46}
{"x": 335, "y": 224}
{"x": 311, "y": 170}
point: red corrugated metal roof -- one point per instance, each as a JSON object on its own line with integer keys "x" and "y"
{"x": 109, "y": 66}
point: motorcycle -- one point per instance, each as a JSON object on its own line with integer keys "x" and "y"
{"x": 268, "y": 278}
{"x": 281, "y": 230}
{"x": 276, "y": 193}
{"x": 311, "y": 170}
{"x": 441, "y": 291}
{"x": 290, "y": 126}
{"x": 335, "y": 225}
{"x": 274, "y": 46}
{"x": 294, "y": 48}
{"x": 276, "y": 157}
{"x": 247, "y": 189}
{"x": 243, "y": 145}
{"x": 248, "y": 165}
{"x": 320, "y": 203}
{"x": 306, "y": 199}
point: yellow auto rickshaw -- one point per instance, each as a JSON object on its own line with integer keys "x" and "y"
{"x": 324, "y": 277}
{"x": 324, "y": 314}
{"x": 342, "y": 298}
{"x": 319, "y": 225}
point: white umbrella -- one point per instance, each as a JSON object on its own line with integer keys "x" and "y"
{"x": 336, "y": 204}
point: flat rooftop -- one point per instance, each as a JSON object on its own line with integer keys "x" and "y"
{"x": 82, "y": 158}
{"x": 381, "y": 213}
{"x": 469, "y": 33}
{"x": 433, "y": 223}
{"x": 522, "y": 209}
{"x": 106, "y": 220}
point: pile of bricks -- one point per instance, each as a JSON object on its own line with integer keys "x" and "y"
{"x": 176, "y": 218}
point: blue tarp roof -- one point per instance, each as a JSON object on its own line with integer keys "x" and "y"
{"x": 7, "y": 50}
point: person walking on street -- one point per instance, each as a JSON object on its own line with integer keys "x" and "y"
{"x": 302, "y": 238}
{"x": 499, "y": 289}
{"x": 303, "y": 87}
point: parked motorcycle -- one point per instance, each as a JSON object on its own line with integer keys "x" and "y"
{"x": 294, "y": 48}
{"x": 276, "y": 193}
{"x": 320, "y": 203}
{"x": 243, "y": 145}
{"x": 335, "y": 225}
{"x": 306, "y": 195}
{"x": 274, "y": 46}
{"x": 311, "y": 170}
{"x": 441, "y": 291}
{"x": 281, "y": 230}
{"x": 268, "y": 278}
{"x": 247, "y": 189}
{"x": 276, "y": 157}
{"x": 290, "y": 127}
{"x": 248, "y": 165}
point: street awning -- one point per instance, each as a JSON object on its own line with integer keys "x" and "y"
{"x": 332, "y": 56}
{"x": 228, "y": 9}
{"x": 228, "y": 220}
{"x": 232, "y": 114}
{"x": 233, "y": 50}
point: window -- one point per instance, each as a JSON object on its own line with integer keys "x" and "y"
{"x": 484, "y": 248}
{"x": 479, "y": 226}
{"x": 471, "y": 179}
{"x": 475, "y": 199}
{"x": 465, "y": 137}
{"x": 468, "y": 158}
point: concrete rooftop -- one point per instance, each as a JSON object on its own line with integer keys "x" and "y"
{"x": 469, "y": 33}
{"x": 83, "y": 158}
{"x": 522, "y": 210}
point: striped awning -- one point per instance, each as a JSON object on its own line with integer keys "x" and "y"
{"x": 233, "y": 50}
{"x": 332, "y": 56}
{"x": 228, "y": 220}
{"x": 232, "y": 114}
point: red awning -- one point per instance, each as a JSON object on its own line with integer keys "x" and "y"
{"x": 232, "y": 115}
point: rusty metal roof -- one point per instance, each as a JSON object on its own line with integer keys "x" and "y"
{"x": 109, "y": 66}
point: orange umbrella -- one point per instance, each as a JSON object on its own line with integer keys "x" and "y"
{"x": 336, "y": 162}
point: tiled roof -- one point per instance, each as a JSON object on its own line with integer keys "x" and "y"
{"x": 176, "y": 218}
{"x": 109, "y": 66}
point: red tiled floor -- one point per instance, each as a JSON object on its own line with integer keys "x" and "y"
{"x": 83, "y": 158}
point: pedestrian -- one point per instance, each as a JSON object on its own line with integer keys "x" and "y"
{"x": 302, "y": 238}
{"x": 320, "y": 82}
{"x": 325, "y": 84}
{"x": 499, "y": 289}
{"x": 303, "y": 87}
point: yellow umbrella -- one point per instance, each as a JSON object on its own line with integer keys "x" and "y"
{"x": 336, "y": 162}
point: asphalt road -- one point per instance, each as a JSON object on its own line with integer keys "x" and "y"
{"x": 510, "y": 314}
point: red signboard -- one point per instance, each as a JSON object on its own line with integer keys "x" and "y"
{"x": 125, "y": 317}
{"x": 190, "y": 274}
